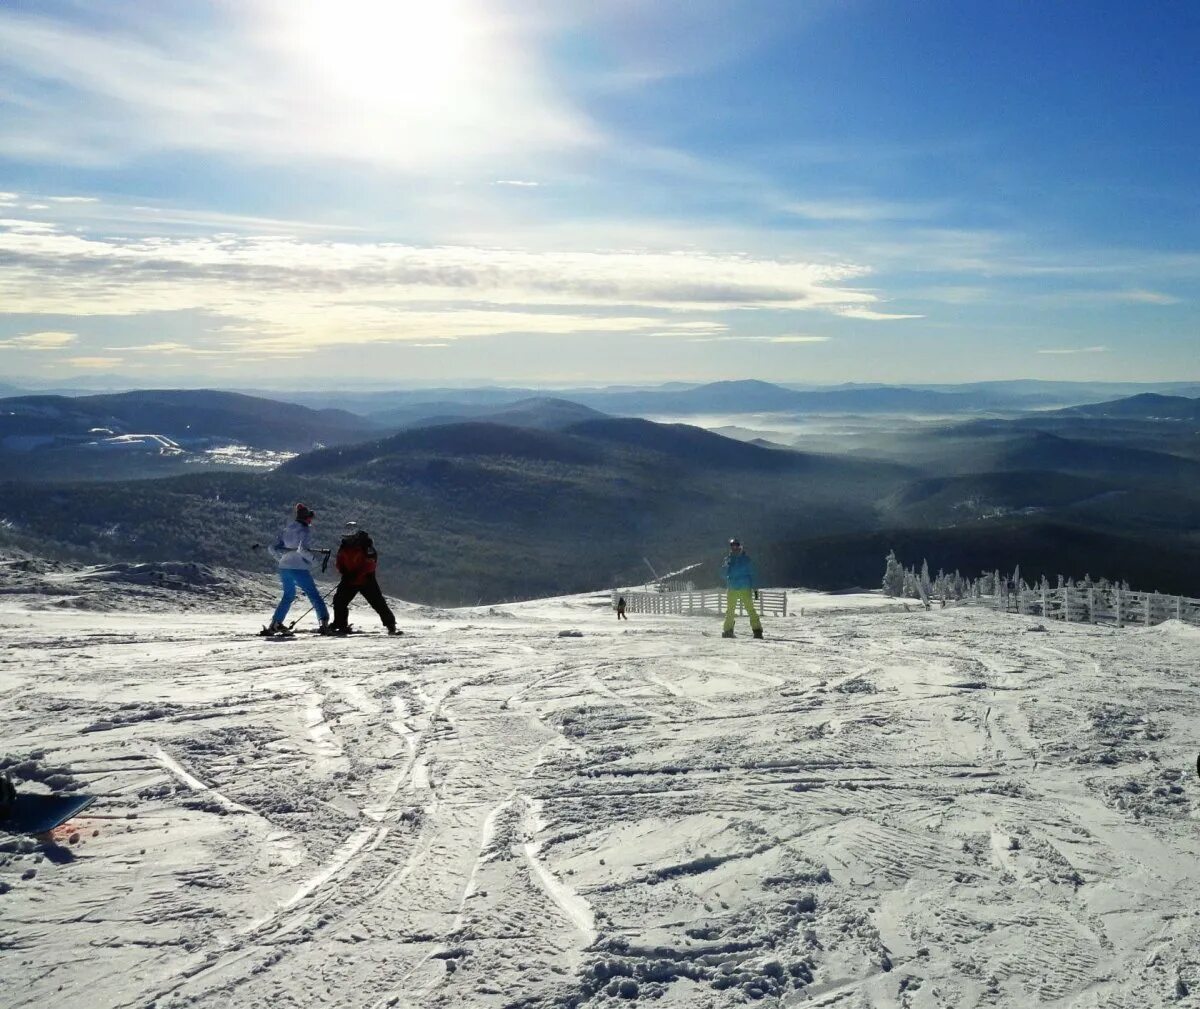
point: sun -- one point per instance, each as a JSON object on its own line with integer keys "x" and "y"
{"x": 396, "y": 54}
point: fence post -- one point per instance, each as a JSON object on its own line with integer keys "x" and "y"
{"x": 1092, "y": 603}
{"x": 1067, "y": 603}
{"x": 1146, "y": 610}
{"x": 1120, "y": 618}
{"x": 1045, "y": 602}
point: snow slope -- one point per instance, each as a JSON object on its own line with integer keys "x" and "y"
{"x": 872, "y": 807}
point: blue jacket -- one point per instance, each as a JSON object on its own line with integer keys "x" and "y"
{"x": 738, "y": 570}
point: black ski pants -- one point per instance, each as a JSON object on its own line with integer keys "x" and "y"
{"x": 371, "y": 592}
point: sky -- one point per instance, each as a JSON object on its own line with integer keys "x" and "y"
{"x": 354, "y": 193}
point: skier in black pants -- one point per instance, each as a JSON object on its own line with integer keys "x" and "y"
{"x": 356, "y": 563}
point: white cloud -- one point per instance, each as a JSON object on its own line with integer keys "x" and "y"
{"x": 309, "y": 294}
{"x": 170, "y": 347}
{"x": 516, "y": 182}
{"x": 416, "y": 87}
{"x": 19, "y": 225}
{"x": 862, "y": 210}
{"x": 1075, "y": 350}
{"x": 72, "y": 199}
{"x": 761, "y": 339}
{"x": 93, "y": 362}
{"x": 1143, "y": 297}
{"x": 855, "y": 312}
{"x": 46, "y": 340}
{"x": 799, "y": 339}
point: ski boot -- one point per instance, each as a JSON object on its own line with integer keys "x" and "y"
{"x": 275, "y": 628}
{"x": 758, "y": 633}
{"x": 324, "y": 628}
{"x": 393, "y": 630}
{"x": 727, "y": 634}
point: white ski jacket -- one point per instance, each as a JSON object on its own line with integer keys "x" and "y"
{"x": 290, "y": 550}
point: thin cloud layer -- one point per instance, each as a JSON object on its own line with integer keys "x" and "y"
{"x": 46, "y": 340}
{"x": 1075, "y": 350}
{"x": 286, "y": 292}
{"x": 411, "y": 86}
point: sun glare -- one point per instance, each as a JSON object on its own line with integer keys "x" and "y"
{"x": 406, "y": 55}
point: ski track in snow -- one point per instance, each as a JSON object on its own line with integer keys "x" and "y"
{"x": 876, "y": 808}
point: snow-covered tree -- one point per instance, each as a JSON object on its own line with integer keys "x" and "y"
{"x": 893, "y": 576}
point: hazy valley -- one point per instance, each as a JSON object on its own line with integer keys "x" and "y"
{"x": 485, "y": 497}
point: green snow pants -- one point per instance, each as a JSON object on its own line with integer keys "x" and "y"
{"x": 746, "y": 598}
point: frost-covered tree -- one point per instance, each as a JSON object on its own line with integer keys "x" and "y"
{"x": 893, "y": 575}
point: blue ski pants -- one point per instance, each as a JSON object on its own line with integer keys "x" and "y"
{"x": 292, "y": 579}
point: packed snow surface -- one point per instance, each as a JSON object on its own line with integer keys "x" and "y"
{"x": 871, "y": 807}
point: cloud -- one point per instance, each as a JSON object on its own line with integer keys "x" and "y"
{"x": 47, "y": 340}
{"x": 20, "y": 225}
{"x": 799, "y": 339}
{"x": 171, "y": 348}
{"x": 1143, "y": 297}
{"x": 1075, "y": 350}
{"x": 72, "y": 199}
{"x": 93, "y": 362}
{"x": 862, "y": 210}
{"x": 761, "y": 339}
{"x": 275, "y": 290}
{"x": 1103, "y": 297}
{"x": 855, "y": 312}
{"x": 414, "y": 87}
{"x": 516, "y": 182}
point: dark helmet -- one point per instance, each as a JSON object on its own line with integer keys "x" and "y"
{"x": 734, "y": 544}
{"x": 304, "y": 513}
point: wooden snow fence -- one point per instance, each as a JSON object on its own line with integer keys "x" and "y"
{"x": 1096, "y": 605}
{"x": 698, "y": 602}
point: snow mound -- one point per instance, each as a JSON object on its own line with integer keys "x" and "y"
{"x": 158, "y": 586}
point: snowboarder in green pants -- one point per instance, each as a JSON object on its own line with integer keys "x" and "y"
{"x": 742, "y": 587}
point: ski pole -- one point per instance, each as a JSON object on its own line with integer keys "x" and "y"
{"x": 310, "y": 609}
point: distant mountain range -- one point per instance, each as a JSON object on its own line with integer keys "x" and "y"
{"x": 1144, "y": 406}
{"x": 503, "y": 498}
{"x": 749, "y": 396}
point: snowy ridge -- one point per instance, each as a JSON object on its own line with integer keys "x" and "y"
{"x": 871, "y": 807}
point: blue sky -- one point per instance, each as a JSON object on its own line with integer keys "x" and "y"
{"x": 276, "y": 192}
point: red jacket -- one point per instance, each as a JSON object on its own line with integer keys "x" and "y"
{"x": 357, "y": 559}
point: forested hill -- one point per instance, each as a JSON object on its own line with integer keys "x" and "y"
{"x": 477, "y": 511}
{"x": 187, "y": 416}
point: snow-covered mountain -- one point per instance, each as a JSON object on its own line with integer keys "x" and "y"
{"x": 871, "y": 807}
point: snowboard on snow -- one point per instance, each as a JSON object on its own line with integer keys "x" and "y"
{"x": 39, "y": 814}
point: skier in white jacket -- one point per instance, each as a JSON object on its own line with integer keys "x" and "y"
{"x": 294, "y": 559}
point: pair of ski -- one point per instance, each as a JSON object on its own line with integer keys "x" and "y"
{"x": 287, "y": 633}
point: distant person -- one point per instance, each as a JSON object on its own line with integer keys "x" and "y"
{"x": 294, "y": 557}
{"x": 356, "y": 563}
{"x": 621, "y": 609}
{"x": 742, "y": 586}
